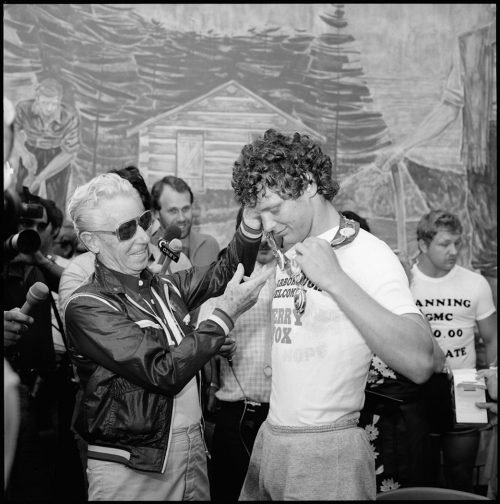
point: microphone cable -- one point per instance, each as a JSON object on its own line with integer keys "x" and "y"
{"x": 230, "y": 362}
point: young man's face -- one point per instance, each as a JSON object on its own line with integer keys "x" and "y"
{"x": 442, "y": 251}
{"x": 176, "y": 208}
{"x": 289, "y": 219}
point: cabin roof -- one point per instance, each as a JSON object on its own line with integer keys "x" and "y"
{"x": 165, "y": 115}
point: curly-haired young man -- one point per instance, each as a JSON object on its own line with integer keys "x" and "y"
{"x": 341, "y": 295}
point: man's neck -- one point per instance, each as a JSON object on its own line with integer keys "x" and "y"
{"x": 325, "y": 217}
{"x": 186, "y": 244}
{"x": 428, "y": 268}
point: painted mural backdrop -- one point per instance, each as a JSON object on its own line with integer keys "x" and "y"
{"x": 180, "y": 88}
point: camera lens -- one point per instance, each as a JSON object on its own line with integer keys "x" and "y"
{"x": 27, "y": 242}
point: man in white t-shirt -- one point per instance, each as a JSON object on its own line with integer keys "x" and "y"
{"x": 341, "y": 295}
{"x": 455, "y": 301}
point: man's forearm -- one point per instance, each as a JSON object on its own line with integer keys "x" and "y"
{"x": 403, "y": 342}
{"x": 56, "y": 165}
{"x": 491, "y": 349}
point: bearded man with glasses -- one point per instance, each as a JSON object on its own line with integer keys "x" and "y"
{"x": 137, "y": 355}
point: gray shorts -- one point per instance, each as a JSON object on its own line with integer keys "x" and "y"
{"x": 330, "y": 462}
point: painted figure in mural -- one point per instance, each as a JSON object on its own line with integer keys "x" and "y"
{"x": 456, "y": 302}
{"x": 47, "y": 142}
{"x": 471, "y": 88}
{"x": 129, "y": 336}
{"x": 331, "y": 310}
{"x": 173, "y": 203}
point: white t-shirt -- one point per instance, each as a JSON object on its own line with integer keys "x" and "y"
{"x": 320, "y": 360}
{"x": 452, "y": 304}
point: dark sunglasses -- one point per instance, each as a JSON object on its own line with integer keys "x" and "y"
{"x": 127, "y": 230}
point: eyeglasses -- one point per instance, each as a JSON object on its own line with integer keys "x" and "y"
{"x": 127, "y": 230}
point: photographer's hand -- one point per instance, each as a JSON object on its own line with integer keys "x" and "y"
{"x": 15, "y": 323}
{"x": 52, "y": 270}
{"x": 26, "y": 258}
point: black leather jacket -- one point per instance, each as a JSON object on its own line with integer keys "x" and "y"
{"x": 129, "y": 370}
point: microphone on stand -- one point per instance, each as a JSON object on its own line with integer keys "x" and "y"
{"x": 171, "y": 246}
{"x": 37, "y": 293}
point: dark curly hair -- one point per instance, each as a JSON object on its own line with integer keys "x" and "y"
{"x": 283, "y": 164}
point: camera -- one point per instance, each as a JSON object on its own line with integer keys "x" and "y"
{"x": 26, "y": 241}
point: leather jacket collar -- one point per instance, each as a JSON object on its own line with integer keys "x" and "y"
{"x": 117, "y": 282}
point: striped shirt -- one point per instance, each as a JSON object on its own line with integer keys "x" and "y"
{"x": 62, "y": 130}
{"x": 250, "y": 332}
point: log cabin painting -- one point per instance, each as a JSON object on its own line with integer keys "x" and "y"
{"x": 180, "y": 88}
{"x": 200, "y": 140}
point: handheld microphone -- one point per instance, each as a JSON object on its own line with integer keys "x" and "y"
{"x": 230, "y": 361}
{"x": 37, "y": 293}
{"x": 170, "y": 246}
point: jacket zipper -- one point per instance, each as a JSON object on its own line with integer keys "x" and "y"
{"x": 165, "y": 330}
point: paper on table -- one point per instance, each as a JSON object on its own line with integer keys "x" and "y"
{"x": 467, "y": 391}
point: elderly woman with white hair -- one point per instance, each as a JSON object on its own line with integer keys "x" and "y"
{"x": 137, "y": 357}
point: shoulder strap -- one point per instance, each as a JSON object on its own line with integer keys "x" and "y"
{"x": 348, "y": 230}
{"x": 58, "y": 318}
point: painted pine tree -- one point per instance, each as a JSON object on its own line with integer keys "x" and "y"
{"x": 104, "y": 76}
{"x": 336, "y": 98}
{"x": 152, "y": 58}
